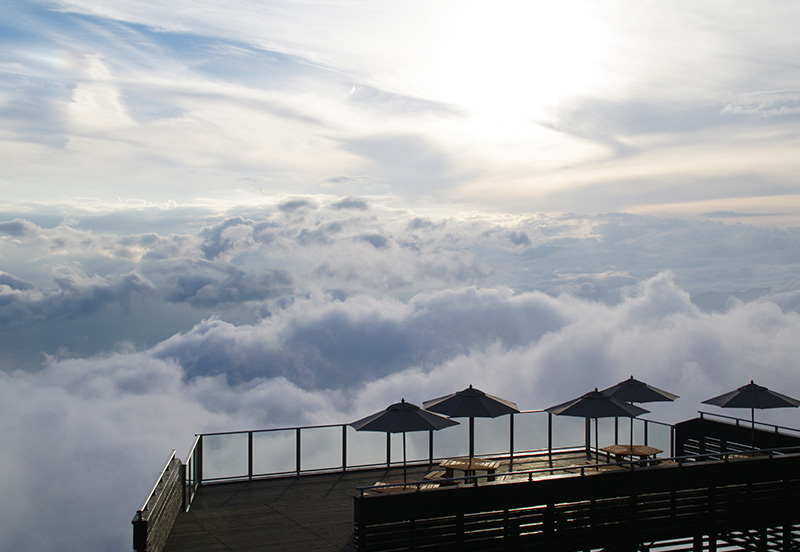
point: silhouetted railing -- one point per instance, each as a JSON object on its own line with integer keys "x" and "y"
{"x": 280, "y": 452}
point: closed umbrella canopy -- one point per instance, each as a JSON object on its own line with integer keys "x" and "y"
{"x": 753, "y": 396}
{"x": 402, "y": 417}
{"x": 471, "y": 403}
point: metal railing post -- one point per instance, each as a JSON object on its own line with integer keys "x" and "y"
{"x": 430, "y": 447}
{"x": 550, "y": 438}
{"x": 511, "y": 442}
{"x": 344, "y": 447}
{"x": 199, "y": 461}
{"x": 250, "y": 455}
{"x": 672, "y": 441}
{"x": 297, "y": 451}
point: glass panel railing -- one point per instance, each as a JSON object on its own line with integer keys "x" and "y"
{"x": 274, "y": 451}
{"x": 284, "y": 451}
{"x": 365, "y": 448}
{"x": 453, "y": 441}
{"x": 321, "y": 448}
{"x": 530, "y": 431}
{"x": 416, "y": 446}
{"x": 225, "y": 456}
{"x": 659, "y": 435}
{"x": 570, "y": 432}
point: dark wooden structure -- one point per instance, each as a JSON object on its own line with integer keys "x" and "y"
{"x": 618, "y": 510}
{"x": 153, "y": 523}
{"x": 711, "y": 438}
{"x": 717, "y": 493}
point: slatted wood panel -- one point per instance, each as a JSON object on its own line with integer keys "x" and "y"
{"x": 704, "y": 436}
{"x": 152, "y": 526}
{"x": 618, "y": 510}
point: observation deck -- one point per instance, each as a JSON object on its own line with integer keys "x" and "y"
{"x": 717, "y": 485}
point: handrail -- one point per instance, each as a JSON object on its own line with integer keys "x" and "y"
{"x": 195, "y": 444}
{"x": 266, "y": 430}
{"x": 195, "y": 470}
{"x": 322, "y": 426}
{"x": 193, "y": 473}
{"x": 198, "y": 474}
{"x": 158, "y": 481}
{"x": 344, "y": 465}
{"x": 748, "y": 422}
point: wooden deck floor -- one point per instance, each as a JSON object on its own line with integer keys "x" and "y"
{"x": 308, "y": 513}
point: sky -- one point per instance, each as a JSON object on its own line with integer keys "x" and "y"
{"x": 237, "y": 215}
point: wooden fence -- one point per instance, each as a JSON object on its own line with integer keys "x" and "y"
{"x": 704, "y": 436}
{"x": 625, "y": 510}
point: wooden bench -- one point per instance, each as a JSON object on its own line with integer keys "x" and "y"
{"x": 399, "y": 487}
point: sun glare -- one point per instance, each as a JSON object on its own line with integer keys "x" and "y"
{"x": 513, "y": 59}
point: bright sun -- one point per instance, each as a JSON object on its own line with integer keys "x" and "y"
{"x": 509, "y": 58}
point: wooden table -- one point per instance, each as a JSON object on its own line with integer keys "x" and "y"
{"x": 644, "y": 452}
{"x": 469, "y": 467}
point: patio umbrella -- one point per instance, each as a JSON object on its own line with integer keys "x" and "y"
{"x": 753, "y": 396}
{"x": 596, "y": 404}
{"x": 634, "y": 391}
{"x": 471, "y": 403}
{"x": 400, "y": 418}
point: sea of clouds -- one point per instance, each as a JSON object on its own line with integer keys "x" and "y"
{"x": 127, "y": 331}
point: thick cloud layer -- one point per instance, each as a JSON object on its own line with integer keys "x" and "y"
{"x": 80, "y": 281}
{"x": 84, "y": 438}
{"x": 125, "y": 335}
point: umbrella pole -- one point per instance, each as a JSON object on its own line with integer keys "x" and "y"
{"x": 588, "y": 437}
{"x": 471, "y": 438}
{"x": 631, "y": 434}
{"x": 405, "y": 479}
{"x": 596, "y": 443}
